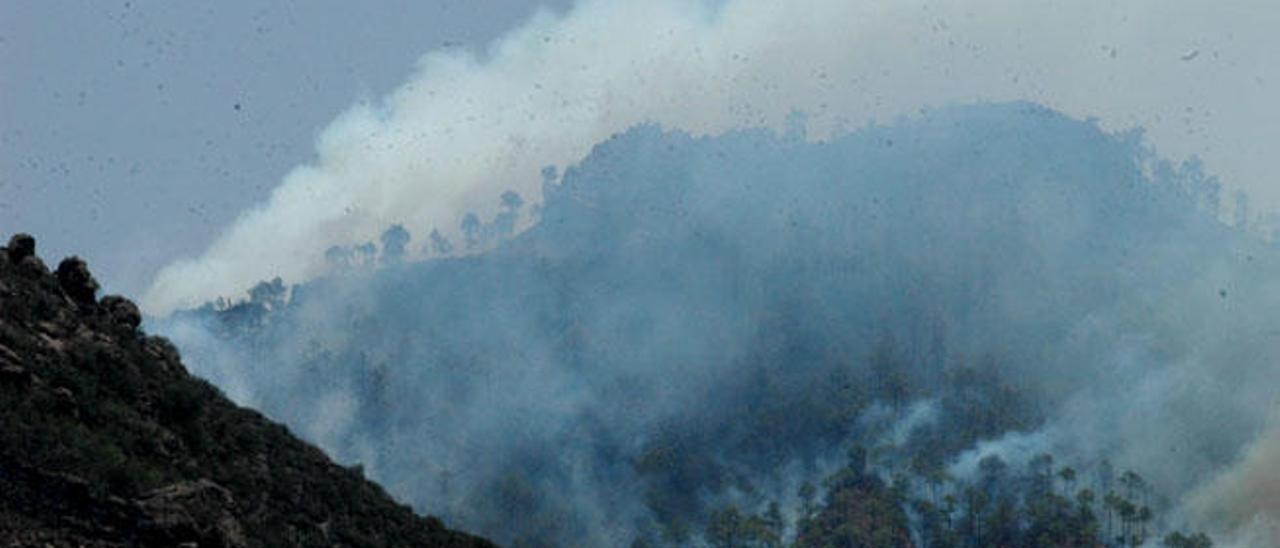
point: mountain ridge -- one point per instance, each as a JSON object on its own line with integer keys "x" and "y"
{"x": 107, "y": 440}
{"x": 692, "y": 322}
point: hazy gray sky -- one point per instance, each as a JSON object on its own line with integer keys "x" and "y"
{"x": 132, "y": 131}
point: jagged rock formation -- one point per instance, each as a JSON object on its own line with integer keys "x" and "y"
{"x": 105, "y": 440}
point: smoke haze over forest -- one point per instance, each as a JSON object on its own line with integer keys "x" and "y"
{"x": 470, "y": 124}
{"x": 757, "y": 303}
{"x": 688, "y": 272}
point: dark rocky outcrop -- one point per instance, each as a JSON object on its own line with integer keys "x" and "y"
{"x": 105, "y": 440}
{"x": 76, "y": 281}
{"x": 200, "y": 510}
{"x": 20, "y": 247}
{"x": 121, "y": 312}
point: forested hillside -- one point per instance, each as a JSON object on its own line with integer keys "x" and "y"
{"x": 989, "y": 325}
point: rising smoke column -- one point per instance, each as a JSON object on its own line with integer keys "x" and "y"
{"x": 469, "y": 125}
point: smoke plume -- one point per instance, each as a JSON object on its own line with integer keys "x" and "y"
{"x": 469, "y": 124}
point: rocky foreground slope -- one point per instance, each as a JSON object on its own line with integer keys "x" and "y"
{"x": 106, "y": 440}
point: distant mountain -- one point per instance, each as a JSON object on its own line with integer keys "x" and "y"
{"x": 106, "y": 440}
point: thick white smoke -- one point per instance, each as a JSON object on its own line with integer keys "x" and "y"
{"x": 469, "y": 125}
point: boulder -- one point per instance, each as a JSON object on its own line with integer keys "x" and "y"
{"x": 121, "y": 312}
{"x": 33, "y": 267}
{"x": 21, "y": 246}
{"x": 76, "y": 281}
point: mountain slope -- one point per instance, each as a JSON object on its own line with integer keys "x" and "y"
{"x": 696, "y": 322}
{"x": 105, "y": 440}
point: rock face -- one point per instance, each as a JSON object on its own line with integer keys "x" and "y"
{"x": 76, "y": 281}
{"x": 20, "y": 247}
{"x": 200, "y": 510}
{"x": 105, "y": 440}
{"x": 121, "y": 312}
